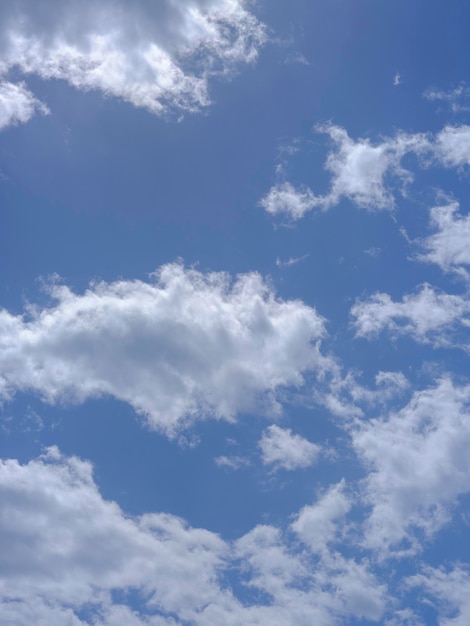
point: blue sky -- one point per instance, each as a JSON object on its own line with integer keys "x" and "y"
{"x": 234, "y": 324}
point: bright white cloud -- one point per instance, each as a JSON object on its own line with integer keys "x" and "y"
{"x": 184, "y": 346}
{"x": 17, "y": 104}
{"x": 449, "y": 246}
{"x": 361, "y": 170}
{"x": 64, "y": 549}
{"x": 281, "y": 448}
{"x": 428, "y": 316}
{"x": 418, "y": 466}
{"x": 154, "y": 55}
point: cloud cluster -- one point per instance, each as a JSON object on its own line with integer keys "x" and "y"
{"x": 418, "y": 465}
{"x": 66, "y": 549}
{"x": 184, "y": 346}
{"x": 159, "y": 56}
{"x": 370, "y": 174}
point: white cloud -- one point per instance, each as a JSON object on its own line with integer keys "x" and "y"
{"x": 360, "y": 168}
{"x": 418, "y": 466}
{"x": 452, "y": 146}
{"x": 363, "y": 172}
{"x": 184, "y": 346}
{"x": 17, "y": 104}
{"x": 317, "y": 524}
{"x": 66, "y": 549}
{"x": 428, "y": 316}
{"x": 449, "y": 247}
{"x": 233, "y": 462}
{"x": 154, "y": 55}
{"x": 455, "y": 98}
{"x": 281, "y": 448}
{"x": 285, "y": 198}
{"x": 451, "y": 590}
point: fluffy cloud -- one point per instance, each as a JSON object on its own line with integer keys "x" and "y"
{"x": 184, "y": 346}
{"x": 65, "y": 549}
{"x": 281, "y": 448}
{"x": 17, "y": 104}
{"x": 449, "y": 246}
{"x": 154, "y": 55}
{"x": 418, "y": 466}
{"x": 428, "y": 316}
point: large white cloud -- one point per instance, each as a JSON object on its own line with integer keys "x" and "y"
{"x": 418, "y": 465}
{"x": 17, "y": 104}
{"x": 65, "y": 549}
{"x": 156, "y": 55}
{"x": 183, "y": 346}
{"x": 429, "y": 316}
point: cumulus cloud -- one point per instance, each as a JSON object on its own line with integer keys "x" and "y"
{"x": 418, "y": 465}
{"x": 428, "y": 316}
{"x": 186, "y": 345}
{"x": 449, "y": 246}
{"x": 17, "y": 104}
{"x": 66, "y": 549}
{"x": 283, "y": 449}
{"x": 154, "y": 55}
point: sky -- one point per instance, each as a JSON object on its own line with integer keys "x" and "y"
{"x": 234, "y": 313}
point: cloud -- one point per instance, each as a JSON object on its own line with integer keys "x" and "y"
{"x": 361, "y": 171}
{"x": 450, "y": 588}
{"x": 452, "y": 146}
{"x": 17, "y": 104}
{"x": 282, "y": 449}
{"x": 449, "y": 246}
{"x": 317, "y": 525}
{"x": 154, "y": 55}
{"x": 67, "y": 552}
{"x": 284, "y": 198}
{"x": 184, "y": 346}
{"x": 418, "y": 465}
{"x": 428, "y": 316}
{"x": 452, "y": 98}
{"x": 233, "y": 462}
